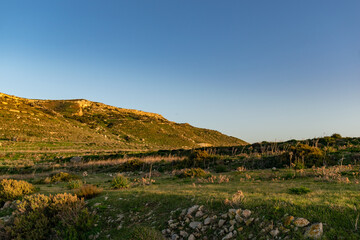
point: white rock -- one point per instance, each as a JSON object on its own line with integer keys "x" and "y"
{"x": 191, "y": 237}
{"x": 192, "y": 209}
{"x": 274, "y": 232}
{"x": 199, "y": 214}
{"x": 228, "y": 236}
{"x": 194, "y": 225}
{"x": 315, "y": 231}
{"x": 246, "y": 213}
{"x": 301, "y": 222}
{"x": 184, "y": 234}
{"x": 221, "y": 222}
{"x": 207, "y": 221}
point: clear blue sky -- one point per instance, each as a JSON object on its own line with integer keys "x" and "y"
{"x": 257, "y": 70}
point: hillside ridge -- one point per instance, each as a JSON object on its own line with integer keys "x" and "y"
{"x": 76, "y": 121}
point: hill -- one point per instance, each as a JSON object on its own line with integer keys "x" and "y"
{"x": 52, "y": 124}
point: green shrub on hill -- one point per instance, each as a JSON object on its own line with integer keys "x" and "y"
{"x": 88, "y": 191}
{"x": 63, "y": 177}
{"x": 74, "y": 184}
{"x": 120, "y": 182}
{"x": 11, "y": 189}
{"x": 193, "y": 172}
{"x": 61, "y": 216}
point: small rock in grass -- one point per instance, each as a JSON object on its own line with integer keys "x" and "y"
{"x": 246, "y": 213}
{"x": 221, "y": 222}
{"x": 207, "y": 221}
{"x": 191, "y": 237}
{"x": 97, "y": 204}
{"x": 274, "y": 232}
{"x": 184, "y": 234}
{"x": 199, "y": 214}
{"x": 315, "y": 231}
{"x": 301, "y": 222}
{"x": 228, "y": 236}
{"x": 192, "y": 209}
{"x": 194, "y": 225}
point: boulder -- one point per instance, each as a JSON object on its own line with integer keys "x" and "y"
{"x": 301, "y": 222}
{"x": 315, "y": 231}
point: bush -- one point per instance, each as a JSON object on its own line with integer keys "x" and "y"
{"x": 299, "y": 190}
{"x": 221, "y": 168}
{"x": 193, "y": 172}
{"x": 198, "y": 158}
{"x": 132, "y": 165}
{"x": 63, "y": 177}
{"x": 120, "y": 182}
{"x": 11, "y": 189}
{"x": 88, "y": 191}
{"x": 307, "y": 155}
{"x": 62, "y": 216}
{"x": 74, "y": 184}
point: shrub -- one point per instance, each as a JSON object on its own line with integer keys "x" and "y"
{"x": 62, "y": 216}
{"x": 192, "y": 172}
{"x": 11, "y": 189}
{"x": 132, "y": 165}
{"x": 307, "y": 155}
{"x": 299, "y": 190}
{"x": 120, "y": 182}
{"x": 88, "y": 191}
{"x": 63, "y": 177}
{"x": 74, "y": 184}
{"x": 197, "y": 158}
{"x": 221, "y": 168}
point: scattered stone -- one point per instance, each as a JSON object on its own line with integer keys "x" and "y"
{"x": 199, "y": 214}
{"x": 274, "y": 232}
{"x": 207, "y": 221}
{"x": 97, "y": 204}
{"x": 221, "y": 222}
{"x": 246, "y": 213}
{"x": 191, "y": 237}
{"x": 184, "y": 234}
{"x": 301, "y": 222}
{"x": 228, "y": 236}
{"x": 192, "y": 209}
{"x": 315, "y": 231}
{"x": 194, "y": 225}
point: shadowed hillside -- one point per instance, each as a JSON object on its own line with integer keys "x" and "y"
{"x": 31, "y": 124}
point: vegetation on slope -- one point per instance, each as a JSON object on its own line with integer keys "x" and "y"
{"x": 89, "y": 125}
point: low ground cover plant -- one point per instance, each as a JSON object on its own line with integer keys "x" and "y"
{"x": 120, "y": 182}
{"x": 88, "y": 191}
{"x": 11, "y": 189}
{"x": 61, "y": 216}
{"x": 191, "y": 173}
{"x": 74, "y": 184}
{"x": 63, "y": 177}
{"x": 299, "y": 190}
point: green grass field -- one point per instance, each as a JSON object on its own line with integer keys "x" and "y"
{"x": 267, "y": 195}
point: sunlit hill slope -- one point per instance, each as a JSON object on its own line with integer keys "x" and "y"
{"x": 30, "y": 123}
